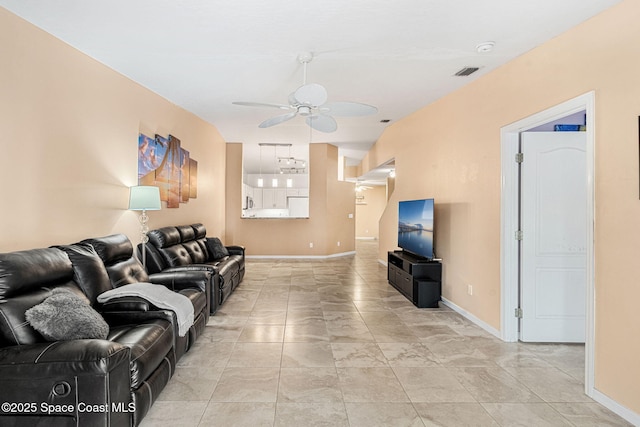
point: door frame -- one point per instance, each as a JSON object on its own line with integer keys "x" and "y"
{"x": 509, "y": 253}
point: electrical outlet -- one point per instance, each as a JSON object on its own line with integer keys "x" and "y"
{"x": 470, "y": 289}
{"x": 338, "y": 243}
{"x": 311, "y": 244}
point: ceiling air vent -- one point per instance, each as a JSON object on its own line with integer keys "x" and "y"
{"x": 467, "y": 71}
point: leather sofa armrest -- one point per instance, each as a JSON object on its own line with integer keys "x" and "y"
{"x": 127, "y": 317}
{"x": 189, "y": 276}
{"x": 200, "y": 277}
{"x": 128, "y": 310}
{"x": 126, "y": 304}
{"x": 235, "y": 250}
{"x": 54, "y": 379}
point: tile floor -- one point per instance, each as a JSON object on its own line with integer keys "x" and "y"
{"x": 330, "y": 343}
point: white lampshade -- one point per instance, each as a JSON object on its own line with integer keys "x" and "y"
{"x": 144, "y": 197}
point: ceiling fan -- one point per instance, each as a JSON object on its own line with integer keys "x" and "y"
{"x": 310, "y": 101}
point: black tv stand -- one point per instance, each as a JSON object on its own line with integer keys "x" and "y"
{"x": 418, "y": 279}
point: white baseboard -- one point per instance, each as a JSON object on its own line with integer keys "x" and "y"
{"x": 484, "y": 325}
{"x": 615, "y": 407}
{"x": 366, "y": 238}
{"x": 383, "y": 262}
{"x": 338, "y": 255}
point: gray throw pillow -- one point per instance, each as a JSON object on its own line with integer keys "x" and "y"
{"x": 216, "y": 249}
{"x": 65, "y": 316}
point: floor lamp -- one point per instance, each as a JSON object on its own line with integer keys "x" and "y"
{"x": 144, "y": 198}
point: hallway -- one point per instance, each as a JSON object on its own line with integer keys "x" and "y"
{"x": 331, "y": 343}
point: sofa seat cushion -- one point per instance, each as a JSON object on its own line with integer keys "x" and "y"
{"x": 238, "y": 259}
{"x": 227, "y": 267}
{"x": 150, "y": 342}
{"x": 197, "y": 298}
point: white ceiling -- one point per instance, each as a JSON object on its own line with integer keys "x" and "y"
{"x": 396, "y": 55}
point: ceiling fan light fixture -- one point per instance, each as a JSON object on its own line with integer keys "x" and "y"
{"x": 304, "y": 111}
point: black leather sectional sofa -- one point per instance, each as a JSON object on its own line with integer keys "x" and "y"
{"x": 187, "y": 247}
{"x": 111, "y": 380}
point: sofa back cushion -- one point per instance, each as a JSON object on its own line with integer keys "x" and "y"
{"x": 164, "y": 237}
{"x": 188, "y": 239}
{"x": 89, "y": 271}
{"x": 187, "y": 233}
{"x": 116, "y": 252}
{"x": 25, "y": 271}
{"x": 201, "y": 238}
{"x": 26, "y": 279}
{"x": 168, "y": 241}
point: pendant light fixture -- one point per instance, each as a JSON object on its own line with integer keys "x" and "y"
{"x": 260, "y": 180}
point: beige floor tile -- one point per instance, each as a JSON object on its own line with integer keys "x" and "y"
{"x": 432, "y": 385}
{"x": 221, "y": 333}
{"x": 191, "y": 384}
{"x": 309, "y": 385}
{"x": 348, "y": 332}
{"x": 454, "y": 415}
{"x": 551, "y": 384}
{"x": 408, "y": 355}
{"x": 360, "y": 355}
{"x": 172, "y": 414}
{"x": 256, "y": 355}
{"x": 370, "y": 385}
{"x": 207, "y": 354}
{"x": 307, "y": 355}
{"x": 590, "y": 415}
{"x": 264, "y": 317}
{"x": 525, "y": 414}
{"x": 238, "y": 414}
{"x": 383, "y": 415}
{"x": 262, "y": 333}
{"x": 309, "y": 331}
{"x": 247, "y": 385}
{"x": 493, "y": 385}
{"x": 311, "y": 415}
{"x": 458, "y": 351}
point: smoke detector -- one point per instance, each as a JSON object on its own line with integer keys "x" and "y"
{"x": 485, "y": 47}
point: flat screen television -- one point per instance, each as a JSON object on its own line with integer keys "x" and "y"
{"x": 415, "y": 227}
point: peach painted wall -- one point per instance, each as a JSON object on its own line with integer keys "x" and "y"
{"x": 450, "y": 150}
{"x": 330, "y": 203}
{"x": 368, "y": 214}
{"x": 69, "y": 145}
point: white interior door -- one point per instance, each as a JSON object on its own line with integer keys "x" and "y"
{"x": 554, "y": 227}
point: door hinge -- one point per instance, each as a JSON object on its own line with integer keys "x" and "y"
{"x": 519, "y": 235}
{"x": 519, "y": 157}
{"x": 518, "y": 313}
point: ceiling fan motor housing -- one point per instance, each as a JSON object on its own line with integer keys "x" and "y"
{"x": 304, "y": 110}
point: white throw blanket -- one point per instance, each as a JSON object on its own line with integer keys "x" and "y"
{"x": 159, "y": 296}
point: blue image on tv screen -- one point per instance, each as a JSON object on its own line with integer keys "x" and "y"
{"x": 415, "y": 227}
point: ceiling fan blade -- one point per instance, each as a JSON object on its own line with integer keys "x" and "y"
{"x": 322, "y": 122}
{"x": 348, "y": 109}
{"x": 311, "y": 94}
{"x": 277, "y": 120}
{"x": 261, "y": 104}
